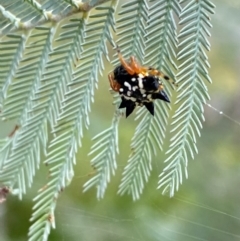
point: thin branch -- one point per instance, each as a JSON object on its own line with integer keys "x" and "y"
{"x": 36, "y": 5}
{"x": 48, "y": 17}
{"x": 10, "y": 17}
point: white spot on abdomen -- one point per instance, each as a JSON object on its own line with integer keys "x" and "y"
{"x": 127, "y": 85}
{"x": 126, "y": 97}
{"x": 135, "y": 88}
{"x": 140, "y": 83}
{"x": 149, "y": 97}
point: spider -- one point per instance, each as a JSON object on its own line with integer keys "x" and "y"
{"x": 137, "y": 85}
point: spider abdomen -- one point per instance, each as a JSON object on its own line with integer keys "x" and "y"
{"x": 138, "y": 90}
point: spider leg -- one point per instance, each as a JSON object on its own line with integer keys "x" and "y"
{"x": 137, "y": 68}
{"x": 153, "y": 71}
{"x": 134, "y": 65}
{"x": 156, "y": 72}
{"x": 113, "y": 83}
{"x": 126, "y": 66}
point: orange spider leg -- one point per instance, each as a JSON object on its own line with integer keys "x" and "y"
{"x": 126, "y": 66}
{"x": 155, "y": 72}
{"x": 113, "y": 83}
{"x": 134, "y": 65}
{"x": 137, "y": 68}
{"x": 152, "y": 71}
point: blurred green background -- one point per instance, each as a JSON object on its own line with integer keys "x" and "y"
{"x": 207, "y": 205}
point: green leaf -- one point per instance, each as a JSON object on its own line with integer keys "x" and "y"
{"x": 192, "y": 93}
{"x": 160, "y": 41}
{"x": 73, "y": 113}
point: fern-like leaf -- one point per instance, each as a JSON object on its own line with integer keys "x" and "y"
{"x": 56, "y": 87}
{"x": 74, "y": 115}
{"x": 131, "y": 28}
{"x": 192, "y": 92}
{"x": 11, "y": 51}
{"x": 160, "y": 52}
{"x": 24, "y": 157}
{"x": 104, "y": 161}
{"x": 27, "y": 77}
{"x": 132, "y": 42}
{"x": 5, "y": 146}
{"x": 13, "y": 17}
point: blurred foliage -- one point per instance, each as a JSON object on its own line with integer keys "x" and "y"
{"x": 206, "y": 207}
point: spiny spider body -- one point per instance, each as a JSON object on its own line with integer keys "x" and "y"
{"x": 137, "y": 85}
